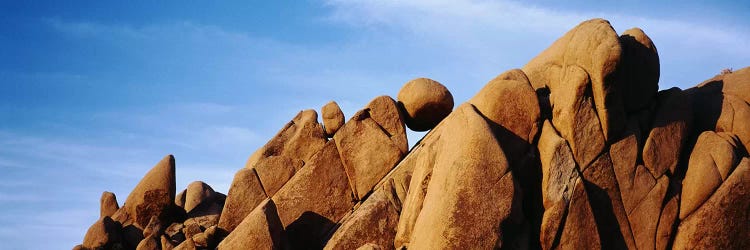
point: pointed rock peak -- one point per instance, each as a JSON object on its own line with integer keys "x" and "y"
{"x": 153, "y": 195}
{"x": 108, "y": 204}
{"x": 300, "y": 138}
{"x": 161, "y": 176}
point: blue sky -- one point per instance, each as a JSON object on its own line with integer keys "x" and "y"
{"x": 93, "y": 94}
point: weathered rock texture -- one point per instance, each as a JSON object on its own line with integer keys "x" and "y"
{"x": 578, "y": 149}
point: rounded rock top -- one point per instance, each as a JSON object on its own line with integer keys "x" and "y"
{"x": 425, "y": 103}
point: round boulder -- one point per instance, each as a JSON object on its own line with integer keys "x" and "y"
{"x": 425, "y": 102}
{"x": 333, "y": 118}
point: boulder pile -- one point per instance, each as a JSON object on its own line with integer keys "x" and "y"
{"x": 578, "y": 149}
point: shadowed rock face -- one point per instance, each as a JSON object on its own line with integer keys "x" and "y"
{"x": 576, "y": 150}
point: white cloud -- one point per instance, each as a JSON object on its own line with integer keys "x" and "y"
{"x": 497, "y": 32}
{"x": 448, "y": 18}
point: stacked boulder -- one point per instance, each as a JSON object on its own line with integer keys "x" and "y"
{"x": 577, "y": 149}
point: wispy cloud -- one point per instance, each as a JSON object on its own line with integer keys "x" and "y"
{"x": 485, "y": 18}
{"x": 507, "y": 29}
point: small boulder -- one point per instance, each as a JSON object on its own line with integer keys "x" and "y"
{"x": 196, "y": 193}
{"x": 206, "y": 239}
{"x": 426, "y": 102}
{"x": 191, "y": 229}
{"x": 179, "y": 199}
{"x": 333, "y": 118}
{"x": 103, "y": 234}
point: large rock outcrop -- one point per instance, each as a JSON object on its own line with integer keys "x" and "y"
{"x": 578, "y": 149}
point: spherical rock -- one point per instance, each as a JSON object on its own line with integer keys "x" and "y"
{"x": 425, "y": 102}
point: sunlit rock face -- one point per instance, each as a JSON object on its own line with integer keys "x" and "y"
{"x": 577, "y": 149}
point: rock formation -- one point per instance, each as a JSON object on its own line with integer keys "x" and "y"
{"x": 577, "y": 149}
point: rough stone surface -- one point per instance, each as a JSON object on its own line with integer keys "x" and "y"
{"x": 315, "y": 199}
{"x": 470, "y": 169}
{"x": 385, "y": 112}
{"x": 735, "y": 83}
{"x": 154, "y": 228}
{"x": 606, "y": 203}
{"x": 644, "y": 217}
{"x": 721, "y": 222}
{"x": 574, "y": 115}
{"x": 667, "y": 223}
{"x": 166, "y": 244}
{"x": 188, "y": 244}
{"x": 275, "y": 171}
{"x": 426, "y": 102}
{"x": 196, "y": 193}
{"x": 669, "y": 132}
{"x": 594, "y": 47}
{"x": 108, "y": 205}
{"x": 735, "y": 114}
{"x": 421, "y": 162}
{"x": 244, "y": 194}
{"x": 580, "y": 230}
{"x": 373, "y": 222}
{"x": 333, "y": 118}
{"x": 206, "y": 239}
{"x": 103, "y": 234}
{"x": 559, "y": 171}
{"x": 149, "y": 243}
{"x": 366, "y": 152}
{"x": 299, "y": 139}
{"x": 510, "y": 101}
{"x": 577, "y": 150}
{"x": 153, "y": 196}
{"x": 261, "y": 229}
{"x": 714, "y": 157}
